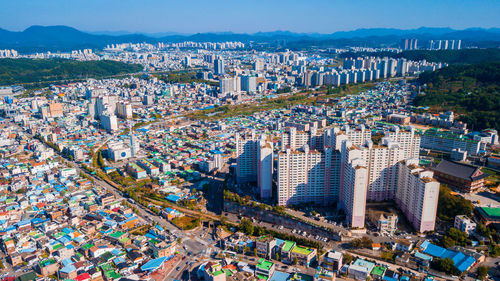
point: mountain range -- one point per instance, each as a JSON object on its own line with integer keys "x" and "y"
{"x": 63, "y": 38}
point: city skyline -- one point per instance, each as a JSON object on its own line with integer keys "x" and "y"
{"x": 226, "y": 16}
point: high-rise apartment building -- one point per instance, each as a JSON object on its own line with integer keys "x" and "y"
{"x": 301, "y": 176}
{"x": 246, "y": 158}
{"x": 254, "y": 162}
{"x": 265, "y": 167}
{"x": 219, "y": 66}
{"x": 249, "y": 83}
{"x": 417, "y": 195}
{"x": 124, "y": 110}
{"x": 109, "y": 122}
{"x": 407, "y": 139}
{"x": 354, "y": 184}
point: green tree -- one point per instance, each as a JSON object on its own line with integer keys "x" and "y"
{"x": 482, "y": 272}
{"x": 450, "y": 206}
{"x": 277, "y": 256}
{"x": 246, "y": 226}
{"x": 295, "y": 261}
{"x": 388, "y": 256}
{"x": 100, "y": 161}
{"x": 348, "y": 258}
{"x": 255, "y": 251}
{"x": 445, "y": 265}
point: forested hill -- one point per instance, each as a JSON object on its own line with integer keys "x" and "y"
{"x": 25, "y": 71}
{"x": 473, "y": 91}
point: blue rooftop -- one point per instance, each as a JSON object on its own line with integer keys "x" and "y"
{"x": 154, "y": 264}
{"x": 461, "y": 261}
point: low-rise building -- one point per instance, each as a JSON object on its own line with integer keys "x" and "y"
{"x": 265, "y": 246}
{"x": 385, "y": 222}
{"x": 264, "y": 269}
{"x": 463, "y": 176}
{"x": 333, "y": 260}
{"x": 465, "y": 224}
{"x": 360, "y": 269}
{"x": 304, "y": 255}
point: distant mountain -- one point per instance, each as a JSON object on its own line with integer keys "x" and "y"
{"x": 64, "y": 38}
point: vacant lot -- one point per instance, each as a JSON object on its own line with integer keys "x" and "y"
{"x": 186, "y": 222}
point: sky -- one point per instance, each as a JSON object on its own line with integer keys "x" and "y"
{"x": 248, "y": 16}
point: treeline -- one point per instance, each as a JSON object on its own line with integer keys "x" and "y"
{"x": 465, "y": 56}
{"x": 24, "y": 71}
{"x": 470, "y": 90}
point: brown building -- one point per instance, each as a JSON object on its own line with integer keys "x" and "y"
{"x": 465, "y": 177}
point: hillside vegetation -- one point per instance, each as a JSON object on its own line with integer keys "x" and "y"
{"x": 26, "y": 71}
{"x": 470, "y": 90}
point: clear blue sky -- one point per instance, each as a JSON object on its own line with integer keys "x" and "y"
{"x": 191, "y": 16}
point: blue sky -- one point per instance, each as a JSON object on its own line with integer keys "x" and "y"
{"x": 192, "y": 16}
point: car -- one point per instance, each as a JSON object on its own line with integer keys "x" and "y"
{"x": 178, "y": 268}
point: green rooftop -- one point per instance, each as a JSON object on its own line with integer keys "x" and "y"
{"x": 491, "y": 212}
{"x": 378, "y": 270}
{"x": 117, "y": 234}
{"x": 87, "y": 246}
{"x": 288, "y": 246}
{"x": 264, "y": 264}
{"x": 302, "y": 250}
{"x": 218, "y": 272}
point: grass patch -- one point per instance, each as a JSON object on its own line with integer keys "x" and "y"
{"x": 186, "y": 222}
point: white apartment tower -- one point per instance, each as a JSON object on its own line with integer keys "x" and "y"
{"x": 354, "y": 181}
{"x": 265, "y": 167}
{"x": 254, "y": 162}
{"x": 301, "y": 176}
{"x": 417, "y": 195}
{"x": 246, "y": 158}
{"x": 407, "y": 139}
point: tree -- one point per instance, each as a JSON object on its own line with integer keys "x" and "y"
{"x": 450, "y": 206}
{"x": 245, "y": 249}
{"x": 246, "y": 226}
{"x": 388, "y": 256}
{"x": 255, "y": 251}
{"x": 348, "y": 258}
{"x": 277, "y": 256}
{"x": 236, "y": 248}
{"x": 445, "y": 265}
{"x": 100, "y": 161}
{"x": 482, "y": 272}
{"x": 363, "y": 242}
{"x": 295, "y": 261}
